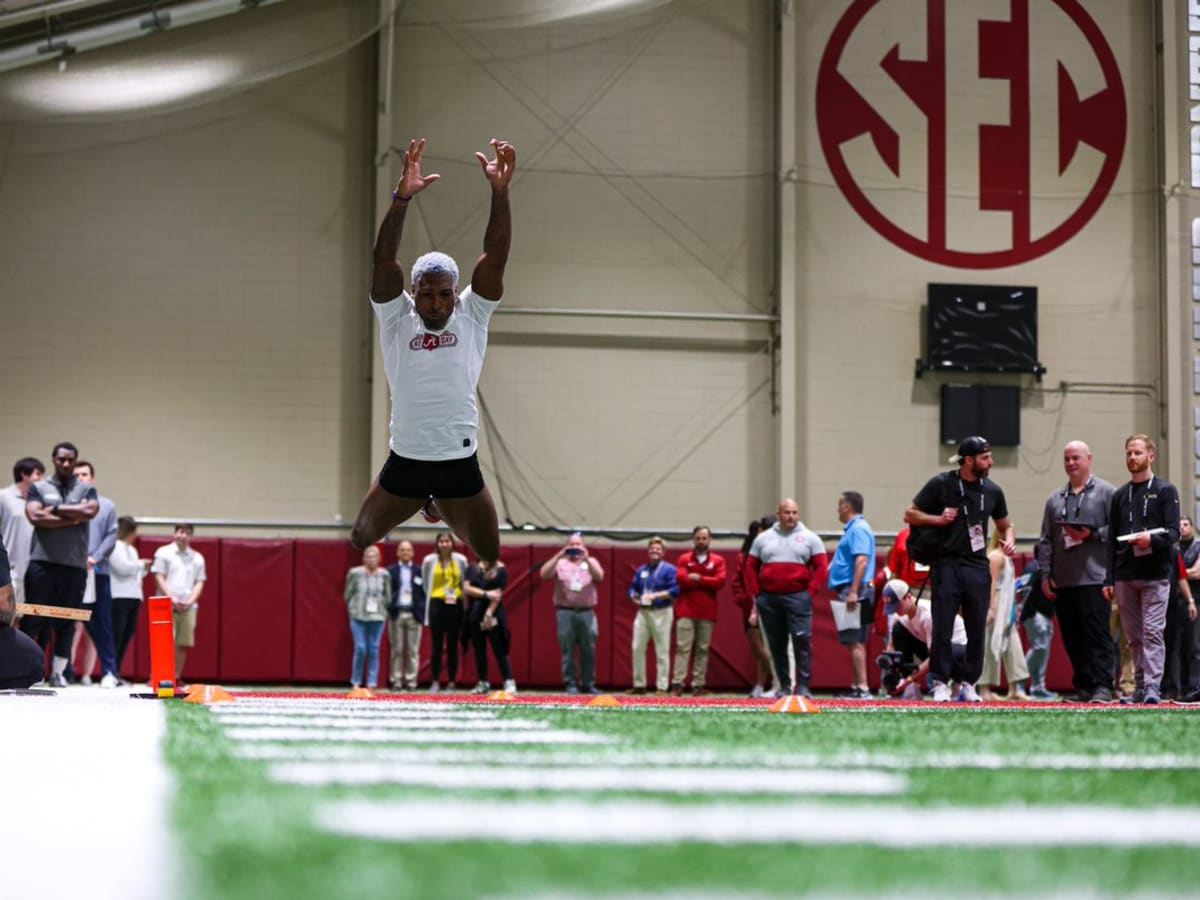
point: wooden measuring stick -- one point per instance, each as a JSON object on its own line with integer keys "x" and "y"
{"x": 54, "y": 612}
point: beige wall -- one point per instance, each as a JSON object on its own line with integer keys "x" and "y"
{"x": 184, "y": 286}
{"x": 871, "y": 425}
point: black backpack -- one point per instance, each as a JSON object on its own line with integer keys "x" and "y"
{"x": 925, "y": 541}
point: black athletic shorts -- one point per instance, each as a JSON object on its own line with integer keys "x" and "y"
{"x": 448, "y": 478}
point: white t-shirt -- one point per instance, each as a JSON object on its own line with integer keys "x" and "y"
{"x": 433, "y": 376}
{"x": 181, "y": 569}
{"x": 920, "y": 626}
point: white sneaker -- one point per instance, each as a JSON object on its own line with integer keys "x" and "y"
{"x": 967, "y": 694}
{"x": 756, "y": 693}
{"x": 941, "y": 692}
{"x": 434, "y": 688}
{"x": 510, "y": 686}
{"x": 86, "y": 681}
{"x": 109, "y": 680}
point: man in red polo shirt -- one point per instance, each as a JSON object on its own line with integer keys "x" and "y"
{"x": 700, "y": 574}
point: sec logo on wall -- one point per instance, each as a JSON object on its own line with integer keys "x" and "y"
{"x": 972, "y": 133}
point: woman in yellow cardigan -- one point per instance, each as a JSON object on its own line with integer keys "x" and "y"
{"x": 443, "y": 573}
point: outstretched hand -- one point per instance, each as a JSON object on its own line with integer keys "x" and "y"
{"x": 411, "y": 180}
{"x": 499, "y": 171}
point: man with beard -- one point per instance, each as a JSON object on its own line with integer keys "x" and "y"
{"x": 1141, "y": 563}
{"x": 960, "y": 502}
{"x": 1072, "y": 555}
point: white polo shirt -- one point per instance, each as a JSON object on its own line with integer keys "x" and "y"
{"x": 182, "y": 569}
{"x": 433, "y": 376}
{"x": 920, "y": 626}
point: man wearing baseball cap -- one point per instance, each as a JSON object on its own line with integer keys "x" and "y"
{"x": 959, "y": 504}
{"x": 912, "y": 633}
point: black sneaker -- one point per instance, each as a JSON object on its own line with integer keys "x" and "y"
{"x": 57, "y": 680}
{"x": 1191, "y": 698}
{"x": 1136, "y": 698}
{"x": 1101, "y": 695}
{"x": 803, "y": 691}
{"x": 1078, "y": 696}
{"x": 855, "y": 693}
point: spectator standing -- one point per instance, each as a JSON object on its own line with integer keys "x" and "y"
{"x": 127, "y": 571}
{"x": 180, "y": 573}
{"x": 1145, "y": 513}
{"x": 442, "y": 572}
{"x": 1072, "y": 554}
{"x": 406, "y": 615}
{"x": 1181, "y": 618}
{"x": 22, "y": 662}
{"x": 16, "y": 531}
{"x": 786, "y": 563}
{"x": 654, "y": 589}
{"x": 1002, "y": 639}
{"x": 368, "y": 588}
{"x": 59, "y": 508}
{"x": 575, "y": 573}
{"x": 765, "y": 680}
{"x": 102, "y": 538}
{"x": 851, "y": 578}
{"x": 959, "y": 503}
{"x": 1189, "y": 549}
{"x": 487, "y": 622}
{"x": 700, "y": 573}
{"x": 1037, "y": 615}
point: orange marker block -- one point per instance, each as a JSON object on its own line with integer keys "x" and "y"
{"x": 361, "y": 693}
{"x": 208, "y": 693}
{"x": 793, "y": 704}
{"x": 501, "y": 696}
{"x": 162, "y": 646}
{"x": 604, "y": 700}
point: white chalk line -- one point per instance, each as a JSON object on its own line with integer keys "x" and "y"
{"x": 231, "y": 712}
{"x": 458, "y": 776}
{"x": 414, "y": 736}
{"x": 392, "y": 723}
{"x": 348, "y": 707}
{"x": 642, "y": 822}
{"x": 631, "y": 758}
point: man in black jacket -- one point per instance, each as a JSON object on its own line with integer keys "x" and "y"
{"x": 1145, "y": 527}
{"x": 406, "y": 612}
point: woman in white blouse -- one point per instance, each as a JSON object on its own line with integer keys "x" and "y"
{"x": 127, "y": 572}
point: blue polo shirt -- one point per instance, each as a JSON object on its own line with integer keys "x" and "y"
{"x": 858, "y": 540}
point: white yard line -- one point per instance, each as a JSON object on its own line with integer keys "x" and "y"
{"x": 641, "y": 823}
{"x": 672, "y": 780}
{"x": 89, "y": 814}
{"x": 634, "y": 758}
{"x": 414, "y": 736}
{"x": 389, "y": 723}
{"x": 232, "y": 712}
{"x": 350, "y": 707}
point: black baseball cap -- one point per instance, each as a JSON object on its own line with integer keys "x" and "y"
{"x": 972, "y": 446}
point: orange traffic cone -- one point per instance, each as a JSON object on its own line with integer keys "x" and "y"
{"x": 604, "y": 700}
{"x": 208, "y": 693}
{"x": 793, "y": 704}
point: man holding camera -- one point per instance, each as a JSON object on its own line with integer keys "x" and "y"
{"x": 575, "y": 574}
{"x": 905, "y": 668}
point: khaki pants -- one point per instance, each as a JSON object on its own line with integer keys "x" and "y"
{"x": 404, "y": 634}
{"x": 652, "y": 624}
{"x": 1125, "y": 681}
{"x": 1013, "y": 659}
{"x": 687, "y": 632}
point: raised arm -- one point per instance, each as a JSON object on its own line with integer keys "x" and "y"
{"x": 488, "y": 278}
{"x": 387, "y": 275}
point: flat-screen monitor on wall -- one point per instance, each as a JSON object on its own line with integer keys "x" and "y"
{"x": 990, "y": 410}
{"x": 982, "y": 328}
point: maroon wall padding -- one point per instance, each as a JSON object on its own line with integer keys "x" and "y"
{"x": 322, "y": 646}
{"x": 274, "y": 611}
{"x": 256, "y": 591}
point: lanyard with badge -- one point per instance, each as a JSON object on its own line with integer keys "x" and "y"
{"x": 1141, "y": 551}
{"x": 374, "y": 591}
{"x": 974, "y": 532}
{"x": 451, "y": 596}
{"x": 1066, "y": 518}
{"x": 405, "y": 574}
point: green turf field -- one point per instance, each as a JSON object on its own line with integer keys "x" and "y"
{"x": 330, "y": 799}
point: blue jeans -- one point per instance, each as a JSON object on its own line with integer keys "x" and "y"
{"x": 1040, "y": 630}
{"x": 366, "y": 644}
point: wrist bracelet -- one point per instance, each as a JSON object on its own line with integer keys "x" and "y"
{"x": 396, "y": 196}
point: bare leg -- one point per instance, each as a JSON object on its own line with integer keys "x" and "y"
{"x": 474, "y": 520}
{"x": 380, "y": 513}
{"x": 180, "y": 659}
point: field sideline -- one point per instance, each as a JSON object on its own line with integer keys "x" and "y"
{"x": 320, "y": 796}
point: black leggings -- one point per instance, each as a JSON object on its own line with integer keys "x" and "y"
{"x": 124, "y": 621}
{"x": 497, "y": 636}
{"x": 445, "y": 623}
{"x": 53, "y": 585}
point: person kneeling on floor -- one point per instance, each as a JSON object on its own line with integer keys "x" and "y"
{"x": 908, "y": 665}
{"x": 22, "y": 662}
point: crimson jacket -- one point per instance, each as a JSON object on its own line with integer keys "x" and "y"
{"x": 698, "y": 600}
{"x": 741, "y": 594}
{"x": 788, "y": 563}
